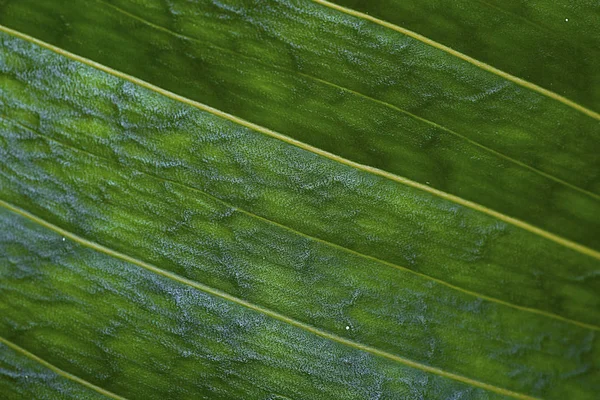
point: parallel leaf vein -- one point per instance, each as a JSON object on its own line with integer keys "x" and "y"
{"x": 372, "y": 170}
{"x": 464, "y": 57}
{"x": 59, "y": 371}
{"x": 268, "y": 312}
{"x": 356, "y": 93}
{"x": 319, "y": 240}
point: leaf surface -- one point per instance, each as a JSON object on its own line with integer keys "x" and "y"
{"x": 217, "y": 201}
{"x": 371, "y": 95}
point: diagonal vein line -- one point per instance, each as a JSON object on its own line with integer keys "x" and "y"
{"x": 266, "y": 131}
{"x": 356, "y": 93}
{"x": 372, "y": 170}
{"x": 325, "y": 242}
{"x": 464, "y": 57}
{"x": 59, "y": 371}
{"x": 463, "y": 137}
{"x": 268, "y": 312}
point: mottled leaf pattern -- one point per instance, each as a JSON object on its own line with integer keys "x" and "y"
{"x": 299, "y": 199}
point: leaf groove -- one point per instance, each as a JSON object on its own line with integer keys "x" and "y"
{"x": 375, "y": 171}
{"x": 464, "y": 57}
{"x": 356, "y": 93}
{"x": 61, "y": 372}
{"x": 327, "y": 243}
{"x": 270, "y": 313}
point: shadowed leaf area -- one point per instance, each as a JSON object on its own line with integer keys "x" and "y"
{"x": 300, "y": 199}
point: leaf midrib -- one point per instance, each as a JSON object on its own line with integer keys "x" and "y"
{"x": 241, "y": 302}
{"x": 266, "y": 131}
{"x": 273, "y": 314}
{"x": 323, "y": 241}
{"x": 59, "y": 371}
{"x": 480, "y": 64}
{"x": 356, "y": 93}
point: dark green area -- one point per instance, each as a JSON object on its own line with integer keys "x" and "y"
{"x": 143, "y": 336}
{"x": 358, "y": 258}
{"x": 554, "y": 44}
{"x": 353, "y": 88}
{"x": 142, "y": 174}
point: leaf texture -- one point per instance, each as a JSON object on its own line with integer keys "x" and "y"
{"x": 287, "y": 199}
{"x": 552, "y": 44}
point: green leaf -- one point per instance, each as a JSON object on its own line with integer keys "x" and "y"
{"x": 298, "y": 200}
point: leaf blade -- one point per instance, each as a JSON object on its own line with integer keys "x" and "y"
{"x": 123, "y": 280}
{"x": 417, "y": 163}
{"x": 559, "y": 37}
{"x": 124, "y": 208}
{"x": 262, "y": 220}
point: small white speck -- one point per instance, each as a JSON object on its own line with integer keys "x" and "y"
{"x": 567, "y": 19}
{"x": 347, "y": 327}
{"x": 63, "y": 239}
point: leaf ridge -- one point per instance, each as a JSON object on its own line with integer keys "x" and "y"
{"x": 265, "y": 311}
{"x": 323, "y": 241}
{"x": 61, "y": 372}
{"x": 356, "y": 93}
{"x": 372, "y": 170}
{"x": 519, "y": 81}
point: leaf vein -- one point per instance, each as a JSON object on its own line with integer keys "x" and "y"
{"x": 356, "y": 93}
{"x": 265, "y": 311}
{"x": 266, "y": 131}
{"x": 323, "y": 241}
{"x": 519, "y": 81}
{"x": 59, "y": 371}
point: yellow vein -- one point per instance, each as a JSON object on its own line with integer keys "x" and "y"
{"x": 273, "y": 314}
{"x": 375, "y": 171}
{"x": 59, "y": 371}
{"x": 464, "y": 57}
{"x": 465, "y": 138}
{"x": 345, "y": 89}
{"x": 324, "y": 242}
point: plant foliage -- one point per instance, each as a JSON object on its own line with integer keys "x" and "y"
{"x": 299, "y": 199}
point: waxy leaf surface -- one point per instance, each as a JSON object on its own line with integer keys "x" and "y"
{"x": 299, "y": 200}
